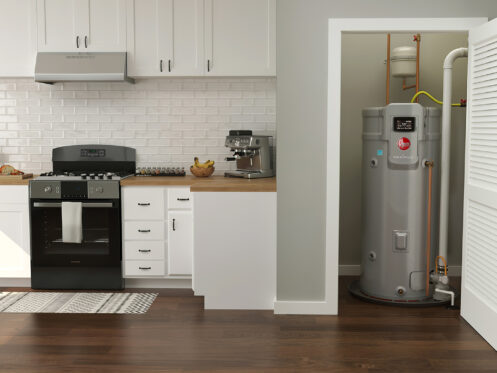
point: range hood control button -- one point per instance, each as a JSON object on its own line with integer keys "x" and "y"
{"x": 47, "y": 189}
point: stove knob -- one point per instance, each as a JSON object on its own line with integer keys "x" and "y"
{"x": 47, "y": 189}
{"x": 109, "y": 176}
{"x": 100, "y": 176}
{"x": 92, "y": 176}
{"x": 83, "y": 176}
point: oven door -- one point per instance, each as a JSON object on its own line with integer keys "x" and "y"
{"x": 101, "y": 235}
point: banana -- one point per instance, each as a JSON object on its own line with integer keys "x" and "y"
{"x": 206, "y": 164}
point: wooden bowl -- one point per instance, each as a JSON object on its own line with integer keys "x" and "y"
{"x": 202, "y": 172}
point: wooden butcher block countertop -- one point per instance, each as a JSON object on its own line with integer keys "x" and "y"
{"x": 209, "y": 184}
{"x": 15, "y": 181}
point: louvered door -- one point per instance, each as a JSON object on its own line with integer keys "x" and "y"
{"x": 479, "y": 277}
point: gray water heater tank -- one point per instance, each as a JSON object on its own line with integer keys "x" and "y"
{"x": 397, "y": 140}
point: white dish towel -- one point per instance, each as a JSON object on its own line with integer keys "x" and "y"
{"x": 72, "y": 222}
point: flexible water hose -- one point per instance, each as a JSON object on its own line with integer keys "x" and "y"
{"x": 431, "y": 98}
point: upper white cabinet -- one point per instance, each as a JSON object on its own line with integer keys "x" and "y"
{"x": 17, "y": 38}
{"x": 201, "y": 37}
{"x": 81, "y": 25}
{"x": 240, "y": 37}
{"x": 165, "y": 37}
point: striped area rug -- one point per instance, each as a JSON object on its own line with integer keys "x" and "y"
{"x": 51, "y": 302}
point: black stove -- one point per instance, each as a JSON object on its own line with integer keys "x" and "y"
{"x": 75, "y": 218}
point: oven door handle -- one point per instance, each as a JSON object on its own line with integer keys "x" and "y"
{"x": 85, "y": 204}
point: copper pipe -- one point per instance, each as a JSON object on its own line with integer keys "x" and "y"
{"x": 404, "y": 86}
{"x": 418, "y": 42}
{"x": 388, "y": 70}
{"x": 428, "y": 164}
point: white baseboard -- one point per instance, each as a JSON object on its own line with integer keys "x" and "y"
{"x": 355, "y": 270}
{"x": 158, "y": 283}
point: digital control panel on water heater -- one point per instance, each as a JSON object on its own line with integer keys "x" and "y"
{"x": 403, "y": 137}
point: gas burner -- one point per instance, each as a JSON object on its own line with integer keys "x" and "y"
{"x": 86, "y": 175}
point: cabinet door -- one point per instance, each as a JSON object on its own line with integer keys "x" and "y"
{"x": 240, "y": 37}
{"x": 17, "y": 38}
{"x": 187, "y": 43}
{"x": 58, "y": 25}
{"x": 14, "y": 240}
{"x": 148, "y": 38}
{"x": 165, "y": 37}
{"x": 104, "y": 26}
{"x": 180, "y": 245}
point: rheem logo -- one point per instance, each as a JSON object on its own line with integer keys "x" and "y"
{"x": 403, "y": 143}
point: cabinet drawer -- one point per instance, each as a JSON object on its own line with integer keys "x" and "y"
{"x": 10, "y": 194}
{"x": 142, "y": 203}
{"x": 144, "y": 230}
{"x": 179, "y": 198}
{"x": 144, "y": 268}
{"x": 144, "y": 250}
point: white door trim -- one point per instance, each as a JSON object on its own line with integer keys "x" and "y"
{"x": 337, "y": 26}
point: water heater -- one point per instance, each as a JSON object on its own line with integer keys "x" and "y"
{"x": 398, "y": 139}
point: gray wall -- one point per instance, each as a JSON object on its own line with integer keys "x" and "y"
{"x": 302, "y": 64}
{"x": 363, "y": 85}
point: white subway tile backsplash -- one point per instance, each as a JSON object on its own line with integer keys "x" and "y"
{"x": 168, "y": 121}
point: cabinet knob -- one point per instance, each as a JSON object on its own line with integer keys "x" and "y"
{"x": 143, "y": 204}
{"x": 145, "y": 268}
{"x": 77, "y": 41}
{"x": 183, "y": 199}
{"x": 174, "y": 224}
{"x": 144, "y": 230}
{"x": 208, "y": 65}
{"x": 86, "y": 41}
{"x": 160, "y": 65}
{"x": 144, "y": 251}
{"x": 169, "y": 65}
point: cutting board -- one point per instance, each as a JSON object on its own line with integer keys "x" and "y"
{"x": 16, "y": 177}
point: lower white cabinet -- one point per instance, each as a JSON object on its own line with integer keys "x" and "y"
{"x": 235, "y": 249}
{"x": 157, "y": 235}
{"x": 144, "y": 268}
{"x": 180, "y": 243}
{"x": 14, "y": 232}
{"x": 144, "y": 250}
{"x": 144, "y": 230}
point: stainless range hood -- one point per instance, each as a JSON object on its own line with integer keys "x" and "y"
{"x": 81, "y": 67}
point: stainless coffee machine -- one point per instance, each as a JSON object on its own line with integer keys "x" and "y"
{"x": 253, "y": 155}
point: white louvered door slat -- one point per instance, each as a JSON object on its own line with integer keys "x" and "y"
{"x": 479, "y": 277}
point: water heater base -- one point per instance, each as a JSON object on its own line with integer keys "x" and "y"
{"x": 356, "y": 291}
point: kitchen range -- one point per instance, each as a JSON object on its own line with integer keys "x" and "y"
{"x": 75, "y": 218}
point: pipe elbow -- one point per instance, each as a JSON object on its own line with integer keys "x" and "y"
{"x": 453, "y": 55}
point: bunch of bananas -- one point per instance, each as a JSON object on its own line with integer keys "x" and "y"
{"x": 206, "y": 164}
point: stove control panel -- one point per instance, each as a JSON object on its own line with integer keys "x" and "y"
{"x": 45, "y": 189}
{"x": 103, "y": 189}
{"x": 74, "y": 189}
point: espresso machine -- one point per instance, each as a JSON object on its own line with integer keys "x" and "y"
{"x": 253, "y": 155}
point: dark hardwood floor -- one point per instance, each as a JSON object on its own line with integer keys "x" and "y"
{"x": 177, "y": 335}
